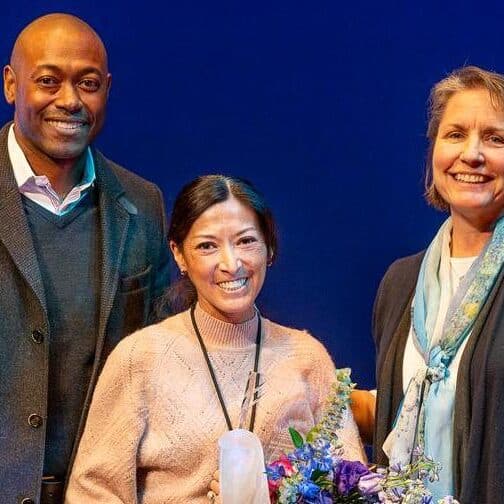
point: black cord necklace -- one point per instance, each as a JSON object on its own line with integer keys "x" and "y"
{"x": 214, "y": 378}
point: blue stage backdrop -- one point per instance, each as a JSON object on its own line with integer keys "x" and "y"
{"x": 321, "y": 104}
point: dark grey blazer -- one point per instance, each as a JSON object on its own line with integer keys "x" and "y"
{"x": 134, "y": 273}
{"x": 479, "y": 402}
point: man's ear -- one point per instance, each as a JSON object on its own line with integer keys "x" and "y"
{"x": 178, "y": 256}
{"x": 9, "y": 78}
{"x": 109, "y": 83}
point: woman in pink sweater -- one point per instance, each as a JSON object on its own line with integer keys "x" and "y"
{"x": 169, "y": 391}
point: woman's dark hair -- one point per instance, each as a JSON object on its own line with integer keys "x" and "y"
{"x": 192, "y": 201}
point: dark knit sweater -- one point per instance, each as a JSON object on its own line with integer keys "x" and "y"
{"x": 67, "y": 251}
{"x": 478, "y": 437}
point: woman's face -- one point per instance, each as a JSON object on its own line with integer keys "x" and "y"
{"x": 468, "y": 157}
{"x": 225, "y": 256}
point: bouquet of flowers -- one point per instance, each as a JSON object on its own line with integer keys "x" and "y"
{"x": 315, "y": 473}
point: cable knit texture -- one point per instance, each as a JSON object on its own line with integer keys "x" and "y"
{"x": 152, "y": 431}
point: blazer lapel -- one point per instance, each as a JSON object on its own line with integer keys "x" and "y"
{"x": 14, "y": 230}
{"x": 114, "y": 220}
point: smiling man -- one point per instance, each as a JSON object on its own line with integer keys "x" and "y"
{"x": 83, "y": 254}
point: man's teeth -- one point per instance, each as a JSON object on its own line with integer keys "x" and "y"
{"x": 66, "y": 125}
{"x": 471, "y": 178}
{"x": 234, "y": 285}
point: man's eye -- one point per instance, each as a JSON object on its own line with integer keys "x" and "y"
{"x": 89, "y": 84}
{"x": 47, "y": 81}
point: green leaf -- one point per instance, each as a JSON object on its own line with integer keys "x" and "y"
{"x": 317, "y": 476}
{"x": 297, "y": 439}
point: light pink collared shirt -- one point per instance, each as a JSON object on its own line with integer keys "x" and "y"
{"x": 38, "y": 188}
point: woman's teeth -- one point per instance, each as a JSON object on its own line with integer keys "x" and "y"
{"x": 234, "y": 285}
{"x": 473, "y": 179}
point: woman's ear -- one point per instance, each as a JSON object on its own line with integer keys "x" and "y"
{"x": 271, "y": 255}
{"x": 178, "y": 256}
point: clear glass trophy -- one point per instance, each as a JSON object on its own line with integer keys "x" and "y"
{"x": 241, "y": 458}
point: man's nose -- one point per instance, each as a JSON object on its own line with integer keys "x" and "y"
{"x": 69, "y": 98}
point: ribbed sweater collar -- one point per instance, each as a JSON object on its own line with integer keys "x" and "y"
{"x": 216, "y": 333}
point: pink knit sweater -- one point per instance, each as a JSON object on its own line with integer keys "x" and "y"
{"x": 151, "y": 435}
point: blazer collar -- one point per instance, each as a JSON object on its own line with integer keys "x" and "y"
{"x": 115, "y": 212}
{"x": 14, "y": 230}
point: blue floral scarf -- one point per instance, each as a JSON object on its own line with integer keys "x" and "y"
{"x": 409, "y": 429}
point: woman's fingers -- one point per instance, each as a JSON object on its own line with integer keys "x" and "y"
{"x": 214, "y": 486}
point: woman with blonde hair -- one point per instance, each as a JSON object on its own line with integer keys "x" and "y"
{"x": 439, "y": 315}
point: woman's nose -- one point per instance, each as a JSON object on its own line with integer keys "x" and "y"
{"x": 471, "y": 152}
{"x": 229, "y": 260}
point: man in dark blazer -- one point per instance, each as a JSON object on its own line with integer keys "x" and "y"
{"x": 83, "y": 253}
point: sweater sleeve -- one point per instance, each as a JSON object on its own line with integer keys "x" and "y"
{"x": 348, "y": 433}
{"x": 104, "y": 471}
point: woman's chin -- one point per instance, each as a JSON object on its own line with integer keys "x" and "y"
{"x": 234, "y": 311}
{"x": 479, "y": 209}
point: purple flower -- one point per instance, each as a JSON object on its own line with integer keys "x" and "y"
{"x": 324, "y": 498}
{"x": 370, "y": 484}
{"x": 347, "y": 475}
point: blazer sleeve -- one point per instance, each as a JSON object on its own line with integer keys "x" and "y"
{"x": 161, "y": 270}
{"x": 104, "y": 471}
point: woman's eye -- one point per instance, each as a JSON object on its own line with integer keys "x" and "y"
{"x": 247, "y": 240}
{"x": 205, "y": 246}
{"x": 496, "y": 139}
{"x": 454, "y": 135}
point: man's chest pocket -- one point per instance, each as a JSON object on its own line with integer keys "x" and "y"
{"x": 134, "y": 299}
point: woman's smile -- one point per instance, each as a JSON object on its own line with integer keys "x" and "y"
{"x": 233, "y": 285}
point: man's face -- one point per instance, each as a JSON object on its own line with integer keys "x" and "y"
{"x": 59, "y": 85}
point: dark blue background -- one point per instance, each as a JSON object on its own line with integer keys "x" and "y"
{"x": 321, "y": 104}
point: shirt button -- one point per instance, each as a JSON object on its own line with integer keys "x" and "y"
{"x": 37, "y": 336}
{"x": 35, "y": 421}
{"x": 27, "y": 501}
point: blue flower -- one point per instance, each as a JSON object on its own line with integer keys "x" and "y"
{"x": 308, "y": 489}
{"x": 323, "y": 497}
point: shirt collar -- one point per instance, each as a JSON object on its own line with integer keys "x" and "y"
{"x": 23, "y": 172}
